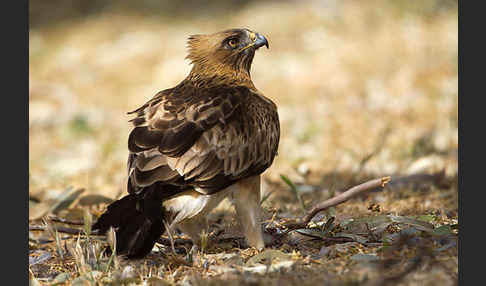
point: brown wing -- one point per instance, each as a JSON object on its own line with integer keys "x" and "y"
{"x": 202, "y": 138}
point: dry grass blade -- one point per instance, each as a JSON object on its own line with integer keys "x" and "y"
{"x": 384, "y": 134}
{"x": 294, "y": 190}
{"x": 111, "y": 238}
{"x": 88, "y": 221}
{"x": 171, "y": 239}
{"x": 265, "y": 197}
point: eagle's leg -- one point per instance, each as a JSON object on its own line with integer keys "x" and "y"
{"x": 194, "y": 228}
{"x": 246, "y": 198}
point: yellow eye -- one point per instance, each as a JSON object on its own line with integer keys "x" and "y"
{"x": 232, "y": 43}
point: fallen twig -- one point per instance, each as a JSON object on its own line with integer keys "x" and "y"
{"x": 367, "y": 186}
{"x": 63, "y": 220}
{"x": 176, "y": 241}
{"x": 183, "y": 241}
{"x": 393, "y": 280}
{"x": 337, "y": 239}
{"x": 415, "y": 262}
{"x": 61, "y": 229}
{"x": 58, "y": 228}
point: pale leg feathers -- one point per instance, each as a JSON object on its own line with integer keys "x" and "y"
{"x": 194, "y": 227}
{"x": 247, "y": 204}
{"x": 190, "y": 210}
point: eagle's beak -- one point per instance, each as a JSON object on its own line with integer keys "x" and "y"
{"x": 260, "y": 41}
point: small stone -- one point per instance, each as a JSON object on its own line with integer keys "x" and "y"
{"x": 365, "y": 257}
{"x": 324, "y": 251}
{"x": 303, "y": 169}
{"x": 128, "y": 272}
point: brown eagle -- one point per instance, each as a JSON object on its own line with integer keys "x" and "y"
{"x": 209, "y": 137}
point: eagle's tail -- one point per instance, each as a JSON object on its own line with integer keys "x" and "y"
{"x": 138, "y": 222}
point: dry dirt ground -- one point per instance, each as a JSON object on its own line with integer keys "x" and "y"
{"x": 365, "y": 89}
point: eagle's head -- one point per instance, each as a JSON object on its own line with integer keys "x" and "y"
{"x": 224, "y": 53}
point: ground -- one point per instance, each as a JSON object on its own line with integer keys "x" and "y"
{"x": 364, "y": 89}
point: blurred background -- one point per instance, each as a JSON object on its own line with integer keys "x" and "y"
{"x": 364, "y": 88}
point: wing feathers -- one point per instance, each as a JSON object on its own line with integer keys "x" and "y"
{"x": 144, "y": 163}
{"x": 204, "y": 138}
{"x": 179, "y": 139}
{"x": 147, "y": 178}
{"x": 141, "y": 139}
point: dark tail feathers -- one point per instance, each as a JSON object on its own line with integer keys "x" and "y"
{"x": 138, "y": 220}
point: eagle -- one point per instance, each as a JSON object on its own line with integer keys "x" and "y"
{"x": 209, "y": 137}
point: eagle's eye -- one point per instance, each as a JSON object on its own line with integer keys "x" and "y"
{"x": 232, "y": 43}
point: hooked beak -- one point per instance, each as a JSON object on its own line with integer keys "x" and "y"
{"x": 260, "y": 41}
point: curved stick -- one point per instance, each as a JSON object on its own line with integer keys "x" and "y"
{"x": 367, "y": 186}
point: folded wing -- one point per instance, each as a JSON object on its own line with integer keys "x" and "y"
{"x": 202, "y": 138}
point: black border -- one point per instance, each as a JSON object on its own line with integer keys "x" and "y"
{"x": 471, "y": 143}
{"x": 15, "y": 144}
{"x": 460, "y": 181}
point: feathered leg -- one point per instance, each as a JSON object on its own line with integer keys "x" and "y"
{"x": 194, "y": 227}
{"x": 247, "y": 204}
